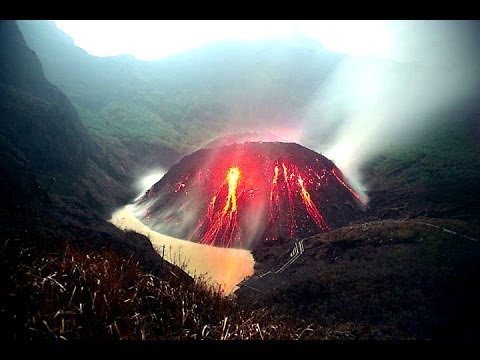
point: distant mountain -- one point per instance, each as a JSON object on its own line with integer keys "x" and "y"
{"x": 184, "y": 100}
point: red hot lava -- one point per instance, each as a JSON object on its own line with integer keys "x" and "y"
{"x": 238, "y": 194}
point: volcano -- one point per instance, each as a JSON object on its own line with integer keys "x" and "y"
{"x": 237, "y": 195}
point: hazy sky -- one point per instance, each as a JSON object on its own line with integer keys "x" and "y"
{"x": 153, "y": 39}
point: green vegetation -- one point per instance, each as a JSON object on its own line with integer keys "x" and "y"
{"x": 389, "y": 279}
{"x": 185, "y": 100}
{"x": 442, "y": 169}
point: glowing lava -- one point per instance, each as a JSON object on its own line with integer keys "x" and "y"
{"x": 233, "y": 176}
{"x": 274, "y": 198}
{"x": 224, "y": 222}
{"x": 311, "y": 208}
{"x": 290, "y": 201}
{"x": 235, "y": 195}
{"x": 345, "y": 185}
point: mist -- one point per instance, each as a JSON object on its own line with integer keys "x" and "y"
{"x": 147, "y": 180}
{"x": 368, "y": 105}
{"x": 347, "y": 89}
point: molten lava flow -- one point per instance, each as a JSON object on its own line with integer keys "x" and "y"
{"x": 274, "y": 182}
{"x": 291, "y": 206}
{"x": 274, "y": 196}
{"x": 211, "y": 207}
{"x": 239, "y": 194}
{"x": 233, "y": 176}
{"x": 310, "y": 206}
{"x": 291, "y": 176}
{"x": 225, "y": 220}
{"x": 340, "y": 180}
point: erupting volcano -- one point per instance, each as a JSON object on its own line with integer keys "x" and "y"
{"x": 235, "y": 195}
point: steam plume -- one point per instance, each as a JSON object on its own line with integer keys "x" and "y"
{"x": 369, "y": 104}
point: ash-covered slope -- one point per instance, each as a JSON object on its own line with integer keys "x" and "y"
{"x": 236, "y": 195}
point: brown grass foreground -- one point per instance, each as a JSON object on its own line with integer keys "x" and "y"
{"x": 75, "y": 293}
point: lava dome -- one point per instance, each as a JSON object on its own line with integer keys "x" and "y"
{"x": 239, "y": 194}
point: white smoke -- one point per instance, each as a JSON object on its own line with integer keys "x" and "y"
{"x": 148, "y": 179}
{"x": 369, "y": 104}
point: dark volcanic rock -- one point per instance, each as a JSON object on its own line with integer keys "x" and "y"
{"x": 41, "y": 135}
{"x": 399, "y": 277}
{"x": 37, "y": 118}
{"x": 238, "y": 194}
{"x": 42, "y": 138}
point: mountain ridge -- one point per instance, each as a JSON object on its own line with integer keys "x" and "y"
{"x": 186, "y": 99}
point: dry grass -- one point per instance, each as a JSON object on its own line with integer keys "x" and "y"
{"x": 73, "y": 293}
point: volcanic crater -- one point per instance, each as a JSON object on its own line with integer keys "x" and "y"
{"x": 237, "y": 195}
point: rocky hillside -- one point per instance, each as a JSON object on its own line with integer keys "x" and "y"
{"x": 386, "y": 279}
{"x": 51, "y": 172}
{"x": 38, "y": 122}
{"x": 41, "y": 134}
{"x": 53, "y": 175}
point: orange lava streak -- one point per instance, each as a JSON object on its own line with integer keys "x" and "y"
{"x": 274, "y": 182}
{"x": 233, "y": 176}
{"x": 227, "y": 219}
{"x": 347, "y": 187}
{"x": 310, "y": 206}
{"x": 273, "y": 193}
{"x": 211, "y": 207}
{"x": 293, "y": 224}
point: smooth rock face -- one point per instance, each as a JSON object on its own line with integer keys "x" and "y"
{"x": 237, "y": 195}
